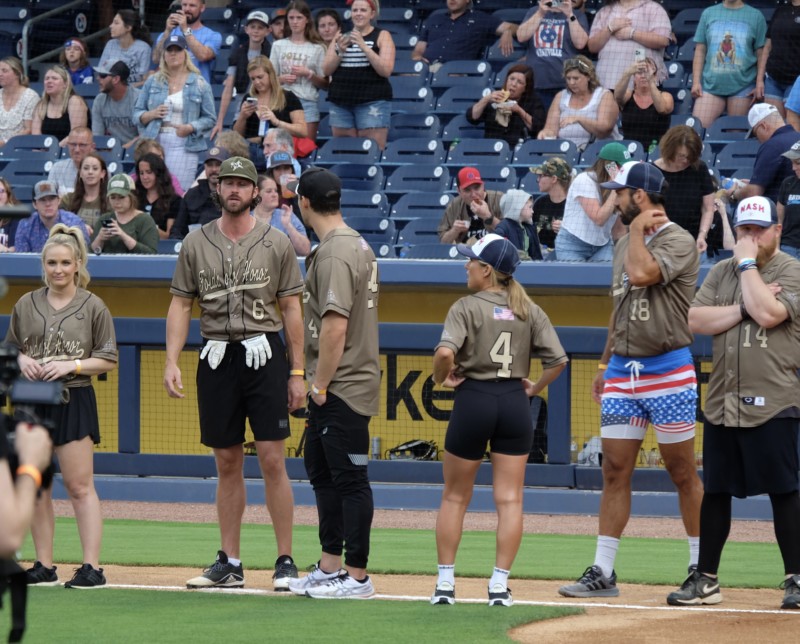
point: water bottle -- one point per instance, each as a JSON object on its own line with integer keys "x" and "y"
{"x": 652, "y": 147}
{"x": 455, "y": 142}
{"x": 376, "y": 448}
{"x": 728, "y": 183}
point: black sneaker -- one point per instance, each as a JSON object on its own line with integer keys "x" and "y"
{"x": 593, "y": 583}
{"x": 220, "y": 574}
{"x": 697, "y": 589}
{"x": 40, "y": 575}
{"x": 445, "y": 593}
{"x": 284, "y": 571}
{"x": 87, "y": 577}
{"x": 791, "y": 596}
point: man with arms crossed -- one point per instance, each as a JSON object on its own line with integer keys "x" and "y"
{"x": 647, "y": 372}
{"x": 245, "y": 276}
{"x": 750, "y": 304}
{"x": 342, "y": 366}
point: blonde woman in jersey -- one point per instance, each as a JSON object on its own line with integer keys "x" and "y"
{"x": 485, "y": 353}
{"x": 65, "y": 333}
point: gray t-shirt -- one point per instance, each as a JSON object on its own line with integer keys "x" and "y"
{"x": 136, "y": 57}
{"x": 115, "y": 118}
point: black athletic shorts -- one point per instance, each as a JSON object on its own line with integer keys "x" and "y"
{"x": 74, "y": 420}
{"x": 233, "y": 393}
{"x": 497, "y": 413}
{"x": 747, "y": 461}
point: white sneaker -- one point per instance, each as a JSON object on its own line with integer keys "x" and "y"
{"x": 316, "y": 577}
{"x": 445, "y": 593}
{"x": 342, "y": 587}
{"x": 500, "y": 596}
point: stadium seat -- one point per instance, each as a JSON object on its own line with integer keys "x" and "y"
{"x": 221, "y": 19}
{"x": 497, "y": 59}
{"x": 414, "y": 125}
{"x": 395, "y": 19}
{"x": 408, "y": 100}
{"x": 324, "y": 132}
{"x": 459, "y": 128}
{"x": 510, "y": 14}
{"x": 635, "y": 149}
{"x": 687, "y": 119}
{"x": 407, "y": 83}
{"x": 42, "y": 146}
{"x": 495, "y": 177}
{"x": 109, "y": 146}
{"x": 380, "y": 230}
{"x": 418, "y": 178}
{"x": 686, "y": 52}
{"x": 684, "y": 24}
{"x": 457, "y": 100}
{"x": 411, "y": 68}
{"x": 675, "y": 70}
{"x": 169, "y": 246}
{"x": 530, "y": 184}
{"x": 383, "y": 251}
{"x": 471, "y": 73}
{"x": 361, "y": 203}
{"x": 348, "y": 149}
{"x": 534, "y": 152}
{"x": 27, "y": 171}
{"x": 727, "y": 129}
{"x": 12, "y": 20}
{"x": 736, "y": 156}
{"x": 413, "y": 150}
{"x": 359, "y": 176}
{"x": 420, "y": 205}
{"x": 477, "y": 152}
{"x": 419, "y": 231}
{"x": 436, "y": 250}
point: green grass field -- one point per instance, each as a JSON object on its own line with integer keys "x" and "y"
{"x": 116, "y": 615}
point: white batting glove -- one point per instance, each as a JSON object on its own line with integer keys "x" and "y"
{"x": 258, "y": 351}
{"x": 215, "y": 350}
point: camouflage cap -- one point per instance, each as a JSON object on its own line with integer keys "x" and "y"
{"x": 554, "y": 167}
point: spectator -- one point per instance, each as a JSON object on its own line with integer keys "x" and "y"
{"x": 779, "y": 64}
{"x": 155, "y": 192}
{"x": 112, "y": 110}
{"x": 265, "y": 106}
{"x": 197, "y": 207}
{"x": 473, "y": 213}
{"x": 789, "y": 205}
{"x": 555, "y": 175}
{"x": 127, "y": 229}
{"x": 517, "y": 225}
{"x": 75, "y": 59}
{"x": 89, "y": 200}
{"x": 359, "y": 64}
{"x": 280, "y": 216}
{"x": 770, "y": 168}
{"x": 554, "y": 34}
{"x": 279, "y": 140}
{"x": 724, "y": 68}
{"x": 297, "y": 59}
{"x": 64, "y": 173}
{"x": 202, "y": 42}
{"x": 144, "y": 146}
{"x": 514, "y": 113}
{"x": 32, "y": 233}
{"x": 130, "y": 43}
{"x": 584, "y": 111}
{"x": 60, "y": 110}
{"x": 8, "y": 227}
{"x": 689, "y": 202}
{"x": 645, "y": 109}
{"x": 280, "y": 166}
{"x": 460, "y": 34}
{"x": 623, "y": 26}
{"x": 328, "y": 22}
{"x": 176, "y": 106}
{"x": 590, "y": 212}
{"x": 256, "y": 28}
{"x": 277, "y": 26}
{"x": 17, "y": 100}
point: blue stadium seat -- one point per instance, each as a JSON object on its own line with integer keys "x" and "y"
{"x": 413, "y": 150}
{"x": 43, "y": 146}
{"x": 675, "y": 69}
{"x": 457, "y": 100}
{"x": 684, "y": 24}
{"x": 686, "y": 52}
{"x": 635, "y": 149}
{"x": 495, "y": 177}
{"x": 420, "y": 205}
{"x": 398, "y": 19}
{"x": 434, "y": 250}
{"x": 380, "y": 230}
{"x": 359, "y": 176}
{"x": 530, "y": 184}
{"x": 727, "y": 129}
{"x": 408, "y": 100}
{"x": 348, "y": 149}
{"x": 362, "y": 203}
{"x": 27, "y": 171}
{"x": 411, "y": 68}
{"x": 736, "y": 156}
{"x": 221, "y": 19}
{"x": 418, "y": 178}
{"x": 459, "y": 128}
{"x": 477, "y": 152}
{"x": 471, "y": 73}
{"x": 384, "y": 251}
{"x": 169, "y": 246}
{"x": 109, "y": 146}
{"x": 407, "y": 83}
{"x": 497, "y": 59}
{"x": 414, "y": 125}
{"x": 324, "y": 132}
{"x": 687, "y": 119}
{"x": 12, "y": 19}
{"x": 511, "y": 14}
{"x": 419, "y": 231}
{"x": 534, "y": 152}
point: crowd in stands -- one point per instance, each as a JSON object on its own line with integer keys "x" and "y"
{"x": 540, "y": 105}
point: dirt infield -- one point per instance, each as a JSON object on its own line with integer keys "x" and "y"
{"x": 639, "y": 614}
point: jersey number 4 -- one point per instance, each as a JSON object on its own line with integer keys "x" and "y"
{"x": 501, "y": 354}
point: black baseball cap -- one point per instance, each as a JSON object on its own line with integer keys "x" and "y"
{"x": 117, "y": 69}
{"x": 317, "y": 183}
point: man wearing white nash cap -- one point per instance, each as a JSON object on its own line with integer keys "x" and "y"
{"x": 769, "y": 167}
{"x": 646, "y": 373}
{"x": 750, "y": 304}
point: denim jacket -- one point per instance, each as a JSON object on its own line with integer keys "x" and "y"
{"x": 198, "y": 109}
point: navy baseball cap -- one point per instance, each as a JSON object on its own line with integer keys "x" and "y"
{"x": 494, "y": 250}
{"x": 758, "y": 211}
{"x": 279, "y": 158}
{"x": 176, "y": 40}
{"x": 639, "y": 176}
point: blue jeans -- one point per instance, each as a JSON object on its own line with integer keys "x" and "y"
{"x": 791, "y": 250}
{"x": 570, "y": 248}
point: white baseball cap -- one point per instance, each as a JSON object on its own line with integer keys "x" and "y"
{"x": 758, "y": 113}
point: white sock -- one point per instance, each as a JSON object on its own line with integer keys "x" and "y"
{"x": 605, "y": 554}
{"x": 499, "y": 577}
{"x": 234, "y": 562}
{"x": 447, "y": 574}
{"x": 694, "y": 550}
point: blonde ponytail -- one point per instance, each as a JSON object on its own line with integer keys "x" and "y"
{"x": 518, "y": 300}
{"x": 72, "y": 238}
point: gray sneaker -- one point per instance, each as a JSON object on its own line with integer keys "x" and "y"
{"x": 343, "y": 587}
{"x": 791, "y": 596}
{"x": 697, "y": 589}
{"x": 316, "y": 577}
{"x": 593, "y": 583}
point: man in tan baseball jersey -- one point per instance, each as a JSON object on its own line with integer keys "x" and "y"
{"x": 750, "y": 303}
{"x": 646, "y": 371}
{"x": 245, "y": 277}
{"x": 342, "y": 365}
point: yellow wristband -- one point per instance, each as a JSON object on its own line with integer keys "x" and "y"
{"x": 31, "y": 471}
{"x": 297, "y": 372}
{"x": 602, "y": 366}
{"x": 78, "y": 367}
{"x": 318, "y": 392}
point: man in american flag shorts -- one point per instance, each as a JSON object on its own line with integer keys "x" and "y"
{"x": 646, "y": 374}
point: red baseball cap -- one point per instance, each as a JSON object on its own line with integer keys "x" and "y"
{"x": 468, "y": 177}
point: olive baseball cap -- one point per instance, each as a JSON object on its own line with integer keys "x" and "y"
{"x": 238, "y": 167}
{"x": 121, "y": 184}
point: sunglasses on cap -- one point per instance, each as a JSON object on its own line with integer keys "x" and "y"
{"x": 574, "y": 63}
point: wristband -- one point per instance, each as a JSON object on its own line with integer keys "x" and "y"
{"x": 318, "y": 392}
{"x": 602, "y": 366}
{"x": 78, "y": 367}
{"x": 743, "y": 311}
{"x": 297, "y": 372}
{"x": 31, "y": 471}
{"x": 746, "y": 264}
{"x": 748, "y": 267}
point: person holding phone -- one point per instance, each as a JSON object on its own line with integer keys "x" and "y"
{"x": 203, "y": 43}
{"x": 127, "y": 229}
{"x": 645, "y": 109}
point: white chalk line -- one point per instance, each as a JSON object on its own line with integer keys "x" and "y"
{"x": 517, "y": 602}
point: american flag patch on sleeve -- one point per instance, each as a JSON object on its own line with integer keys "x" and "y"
{"x": 503, "y": 314}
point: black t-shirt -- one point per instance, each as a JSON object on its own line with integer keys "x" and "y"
{"x": 790, "y": 198}
{"x": 783, "y": 63}
{"x": 544, "y": 213}
{"x": 162, "y": 209}
{"x": 292, "y": 105}
{"x": 684, "y": 198}
{"x": 515, "y": 131}
{"x": 643, "y": 125}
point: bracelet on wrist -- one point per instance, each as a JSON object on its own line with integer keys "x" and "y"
{"x": 748, "y": 267}
{"x": 602, "y": 366}
{"x": 31, "y": 471}
{"x": 78, "y": 367}
{"x": 317, "y": 391}
{"x": 746, "y": 263}
{"x": 298, "y": 372}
